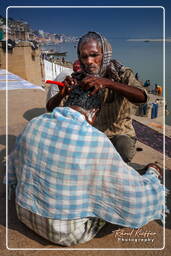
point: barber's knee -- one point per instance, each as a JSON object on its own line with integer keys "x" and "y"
{"x": 125, "y": 145}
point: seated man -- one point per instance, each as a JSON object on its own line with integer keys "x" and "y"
{"x": 119, "y": 85}
{"x": 70, "y": 180}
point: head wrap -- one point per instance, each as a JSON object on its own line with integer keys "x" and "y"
{"x": 109, "y": 68}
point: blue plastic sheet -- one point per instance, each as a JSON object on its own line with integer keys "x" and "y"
{"x": 15, "y": 82}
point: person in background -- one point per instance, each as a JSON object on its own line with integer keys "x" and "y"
{"x": 118, "y": 84}
{"x": 147, "y": 83}
{"x": 143, "y": 109}
{"x": 63, "y": 60}
{"x": 154, "y": 109}
{"x": 159, "y": 90}
{"x": 166, "y": 109}
{"x": 137, "y": 76}
{"x": 70, "y": 180}
{"x": 77, "y": 66}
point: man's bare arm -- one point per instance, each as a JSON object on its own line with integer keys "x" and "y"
{"x": 132, "y": 93}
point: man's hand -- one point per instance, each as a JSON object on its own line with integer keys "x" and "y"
{"x": 96, "y": 83}
{"x": 133, "y": 94}
{"x": 69, "y": 84}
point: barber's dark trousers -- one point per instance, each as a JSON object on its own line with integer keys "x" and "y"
{"x": 125, "y": 145}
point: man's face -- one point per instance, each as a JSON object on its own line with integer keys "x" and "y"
{"x": 77, "y": 66}
{"x": 91, "y": 57}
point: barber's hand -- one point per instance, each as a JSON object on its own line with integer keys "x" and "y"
{"x": 96, "y": 83}
{"x": 69, "y": 84}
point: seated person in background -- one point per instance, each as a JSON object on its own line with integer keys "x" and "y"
{"x": 137, "y": 76}
{"x": 147, "y": 83}
{"x": 70, "y": 180}
{"x": 119, "y": 85}
{"x": 77, "y": 66}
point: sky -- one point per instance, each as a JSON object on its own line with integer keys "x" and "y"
{"x": 77, "y": 20}
{"x": 123, "y": 27}
{"x": 135, "y": 22}
{"x": 74, "y": 21}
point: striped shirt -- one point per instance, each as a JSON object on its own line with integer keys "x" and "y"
{"x": 115, "y": 114}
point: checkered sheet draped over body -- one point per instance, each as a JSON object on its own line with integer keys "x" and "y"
{"x": 66, "y": 169}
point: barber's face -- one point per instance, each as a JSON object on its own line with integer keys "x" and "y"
{"x": 91, "y": 57}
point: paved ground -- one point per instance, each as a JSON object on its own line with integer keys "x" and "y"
{"x": 23, "y": 106}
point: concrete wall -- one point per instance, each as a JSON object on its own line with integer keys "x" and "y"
{"x": 23, "y": 61}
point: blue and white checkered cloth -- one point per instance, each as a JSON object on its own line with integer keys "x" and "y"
{"x": 66, "y": 169}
